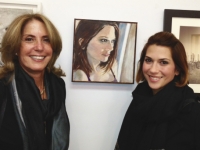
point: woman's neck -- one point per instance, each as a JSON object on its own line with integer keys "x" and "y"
{"x": 39, "y": 81}
{"x": 93, "y": 63}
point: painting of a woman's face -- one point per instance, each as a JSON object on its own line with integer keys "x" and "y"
{"x": 101, "y": 45}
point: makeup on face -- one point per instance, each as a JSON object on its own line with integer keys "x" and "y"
{"x": 158, "y": 67}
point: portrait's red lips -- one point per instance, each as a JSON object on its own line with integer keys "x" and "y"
{"x": 106, "y": 55}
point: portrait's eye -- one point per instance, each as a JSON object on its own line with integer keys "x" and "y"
{"x": 103, "y": 40}
{"x": 113, "y": 41}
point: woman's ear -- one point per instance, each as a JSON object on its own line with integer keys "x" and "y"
{"x": 176, "y": 72}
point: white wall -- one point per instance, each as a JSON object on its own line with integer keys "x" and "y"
{"x": 96, "y": 110}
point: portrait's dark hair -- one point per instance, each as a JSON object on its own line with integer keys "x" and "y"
{"x": 177, "y": 52}
{"x": 11, "y": 43}
{"x": 85, "y": 31}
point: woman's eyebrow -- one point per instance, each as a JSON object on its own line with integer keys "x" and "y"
{"x": 159, "y": 59}
{"x": 147, "y": 57}
{"x": 28, "y": 35}
{"x": 44, "y": 36}
{"x": 107, "y": 37}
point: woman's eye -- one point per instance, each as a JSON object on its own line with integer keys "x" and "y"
{"x": 46, "y": 40}
{"x": 164, "y": 62}
{"x": 103, "y": 40}
{"x": 147, "y": 60}
{"x": 29, "y": 39}
{"x": 113, "y": 41}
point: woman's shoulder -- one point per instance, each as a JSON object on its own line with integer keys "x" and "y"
{"x": 79, "y": 75}
{"x": 115, "y": 67}
{"x": 2, "y": 86}
{"x": 3, "y": 82}
{"x": 196, "y": 108}
{"x": 58, "y": 79}
{"x": 191, "y": 111}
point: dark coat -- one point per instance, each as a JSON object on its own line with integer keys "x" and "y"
{"x": 183, "y": 132}
{"x": 60, "y": 123}
{"x": 169, "y": 120}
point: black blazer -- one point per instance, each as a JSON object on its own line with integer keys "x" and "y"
{"x": 3, "y": 99}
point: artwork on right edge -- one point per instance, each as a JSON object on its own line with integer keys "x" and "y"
{"x": 104, "y": 51}
{"x": 185, "y": 25}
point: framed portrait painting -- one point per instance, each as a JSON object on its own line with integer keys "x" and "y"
{"x": 104, "y": 51}
{"x": 185, "y": 25}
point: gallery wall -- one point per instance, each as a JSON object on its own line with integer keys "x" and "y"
{"x": 96, "y": 110}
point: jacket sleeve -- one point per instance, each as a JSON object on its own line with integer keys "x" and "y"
{"x": 60, "y": 130}
{"x": 3, "y": 99}
{"x": 197, "y": 128}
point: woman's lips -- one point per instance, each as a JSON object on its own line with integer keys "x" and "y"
{"x": 37, "y": 57}
{"x": 153, "y": 78}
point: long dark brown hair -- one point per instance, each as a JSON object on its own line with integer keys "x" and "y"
{"x": 86, "y": 30}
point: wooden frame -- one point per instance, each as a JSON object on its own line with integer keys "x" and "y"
{"x": 185, "y": 25}
{"x": 124, "y": 61}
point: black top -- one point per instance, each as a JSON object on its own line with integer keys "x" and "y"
{"x": 168, "y": 120}
{"x": 37, "y": 116}
{"x": 10, "y": 137}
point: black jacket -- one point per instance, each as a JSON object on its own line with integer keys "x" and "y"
{"x": 169, "y": 120}
{"x": 28, "y": 93}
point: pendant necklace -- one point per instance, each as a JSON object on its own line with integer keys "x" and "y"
{"x": 42, "y": 91}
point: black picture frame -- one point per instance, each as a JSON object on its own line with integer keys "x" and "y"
{"x": 198, "y": 94}
{"x": 170, "y": 14}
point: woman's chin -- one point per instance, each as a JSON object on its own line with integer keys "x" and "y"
{"x": 104, "y": 60}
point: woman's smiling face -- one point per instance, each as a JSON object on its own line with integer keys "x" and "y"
{"x": 101, "y": 45}
{"x": 158, "y": 67}
{"x": 35, "y": 51}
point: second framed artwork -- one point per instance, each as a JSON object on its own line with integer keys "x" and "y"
{"x": 185, "y": 25}
{"x": 104, "y": 51}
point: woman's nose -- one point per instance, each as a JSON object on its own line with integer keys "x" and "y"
{"x": 154, "y": 67}
{"x": 39, "y": 45}
{"x": 109, "y": 46}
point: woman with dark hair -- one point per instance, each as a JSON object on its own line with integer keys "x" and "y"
{"x": 164, "y": 113}
{"x": 32, "y": 93}
{"x": 95, "y": 50}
